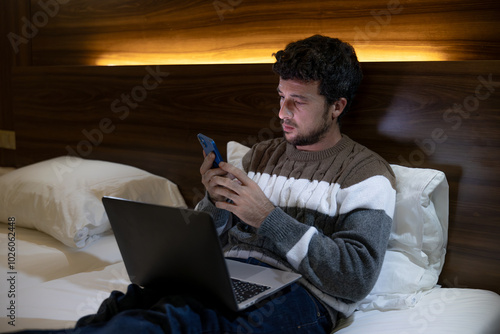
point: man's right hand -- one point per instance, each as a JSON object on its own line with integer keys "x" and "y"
{"x": 207, "y": 176}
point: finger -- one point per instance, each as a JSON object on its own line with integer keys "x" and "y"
{"x": 229, "y": 189}
{"x": 228, "y": 206}
{"x": 232, "y": 177}
{"x": 207, "y": 162}
{"x": 215, "y": 177}
{"x": 236, "y": 172}
{"x": 231, "y": 186}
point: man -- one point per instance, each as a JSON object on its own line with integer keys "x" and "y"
{"x": 314, "y": 202}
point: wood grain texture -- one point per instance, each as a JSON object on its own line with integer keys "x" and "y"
{"x": 15, "y": 50}
{"x": 399, "y": 112}
{"x": 158, "y": 130}
{"x": 90, "y": 32}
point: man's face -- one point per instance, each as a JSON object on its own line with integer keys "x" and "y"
{"x": 306, "y": 119}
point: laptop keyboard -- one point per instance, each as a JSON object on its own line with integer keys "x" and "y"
{"x": 245, "y": 290}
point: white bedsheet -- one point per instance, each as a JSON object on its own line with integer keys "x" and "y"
{"x": 41, "y": 258}
{"x": 57, "y": 285}
{"x": 5, "y": 170}
{"x": 442, "y": 311}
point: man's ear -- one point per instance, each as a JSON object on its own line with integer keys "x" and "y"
{"x": 338, "y": 107}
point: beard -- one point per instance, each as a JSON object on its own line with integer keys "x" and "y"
{"x": 313, "y": 136}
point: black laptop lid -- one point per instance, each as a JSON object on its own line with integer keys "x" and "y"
{"x": 170, "y": 249}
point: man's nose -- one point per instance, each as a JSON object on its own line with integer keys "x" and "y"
{"x": 285, "y": 111}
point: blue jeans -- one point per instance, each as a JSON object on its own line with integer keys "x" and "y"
{"x": 292, "y": 310}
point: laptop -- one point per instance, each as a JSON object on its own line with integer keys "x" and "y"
{"x": 175, "y": 250}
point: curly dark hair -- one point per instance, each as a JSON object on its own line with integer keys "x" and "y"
{"x": 320, "y": 58}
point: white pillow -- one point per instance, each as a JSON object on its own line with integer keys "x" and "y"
{"x": 417, "y": 244}
{"x": 62, "y": 196}
{"x": 235, "y": 153}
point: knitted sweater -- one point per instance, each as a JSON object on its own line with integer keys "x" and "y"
{"x": 332, "y": 219}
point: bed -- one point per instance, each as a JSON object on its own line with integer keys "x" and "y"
{"x": 78, "y": 139}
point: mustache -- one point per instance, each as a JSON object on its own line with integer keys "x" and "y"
{"x": 288, "y": 122}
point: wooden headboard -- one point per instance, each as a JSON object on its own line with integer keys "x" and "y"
{"x": 442, "y": 115}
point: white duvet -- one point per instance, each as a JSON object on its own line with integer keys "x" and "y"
{"x": 57, "y": 285}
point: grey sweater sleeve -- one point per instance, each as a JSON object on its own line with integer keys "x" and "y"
{"x": 344, "y": 264}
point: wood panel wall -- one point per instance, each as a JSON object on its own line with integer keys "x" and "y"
{"x": 94, "y": 32}
{"x": 53, "y": 78}
{"x": 11, "y": 12}
{"x": 90, "y": 32}
{"x": 442, "y": 115}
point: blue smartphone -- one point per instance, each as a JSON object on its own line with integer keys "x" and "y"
{"x": 208, "y": 145}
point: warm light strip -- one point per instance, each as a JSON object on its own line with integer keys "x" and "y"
{"x": 403, "y": 53}
{"x": 365, "y": 54}
{"x": 140, "y": 60}
{"x": 182, "y": 59}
